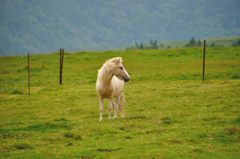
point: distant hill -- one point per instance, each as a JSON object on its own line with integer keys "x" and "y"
{"x": 43, "y": 26}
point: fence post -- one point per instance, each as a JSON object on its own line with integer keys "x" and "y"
{"x": 28, "y": 59}
{"x": 62, "y": 57}
{"x": 61, "y": 65}
{"x": 203, "y": 66}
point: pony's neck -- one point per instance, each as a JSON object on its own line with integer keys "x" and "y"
{"x": 106, "y": 76}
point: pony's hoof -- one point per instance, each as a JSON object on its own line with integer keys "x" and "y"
{"x": 100, "y": 119}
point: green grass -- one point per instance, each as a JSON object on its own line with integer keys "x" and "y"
{"x": 170, "y": 112}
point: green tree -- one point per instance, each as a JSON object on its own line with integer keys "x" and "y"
{"x": 192, "y": 41}
{"x": 238, "y": 42}
{"x": 153, "y": 44}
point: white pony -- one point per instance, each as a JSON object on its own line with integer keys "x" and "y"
{"x": 110, "y": 84}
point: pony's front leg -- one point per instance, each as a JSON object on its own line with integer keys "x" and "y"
{"x": 101, "y": 109}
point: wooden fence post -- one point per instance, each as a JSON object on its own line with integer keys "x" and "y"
{"x": 203, "y": 66}
{"x": 61, "y": 65}
{"x": 28, "y": 59}
{"x": 62, "y": 57}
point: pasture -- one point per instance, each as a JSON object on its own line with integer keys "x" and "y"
{"x": 170, "y": 112}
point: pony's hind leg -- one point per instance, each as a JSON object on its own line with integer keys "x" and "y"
{"x": 121, "y": 105}
{"x": 101, "y": 109}
{"x": 110, "y": 108}
{"x": 116, "y": 107}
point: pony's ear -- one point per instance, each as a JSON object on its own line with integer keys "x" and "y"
{"x": 117, "y": 60}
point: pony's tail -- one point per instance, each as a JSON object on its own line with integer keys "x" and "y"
{"x": 121, "y": 105}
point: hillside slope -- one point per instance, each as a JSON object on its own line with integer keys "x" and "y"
{"x": 44, "y": 26}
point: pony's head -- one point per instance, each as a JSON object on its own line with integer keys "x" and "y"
{"x": 115, "y": 65}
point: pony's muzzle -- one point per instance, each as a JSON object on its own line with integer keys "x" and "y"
{"x": 126, "y": 79}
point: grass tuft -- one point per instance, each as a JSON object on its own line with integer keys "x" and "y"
{"x": 86, "y": 157}
{"x": 72, "y": 136}
{"x": 237, "y": 121}
{"x": 197, "y": 150}
{"x": 233, "y": 131}
{"x": 48, "y": 126}
{"x": 108, "y": 150}
{"x": 137, "y": 117}
{"x": 175, "y": 141}
{"x": 167, "y": 120}
{"x": 128, "y": 137}
{"x": 16, "y": 91}
{"x": 22, "y": 146}
{"x": 235, "y": 76}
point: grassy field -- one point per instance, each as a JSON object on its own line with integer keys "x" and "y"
{"x": 170, "y": 112}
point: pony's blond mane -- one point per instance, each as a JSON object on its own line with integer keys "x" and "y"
{"x": 109, "y": 64}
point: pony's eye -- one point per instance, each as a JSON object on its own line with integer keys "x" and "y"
{"x": 121, "y": 68}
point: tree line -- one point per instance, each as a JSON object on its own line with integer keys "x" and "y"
{"x": 193, "y": 42}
